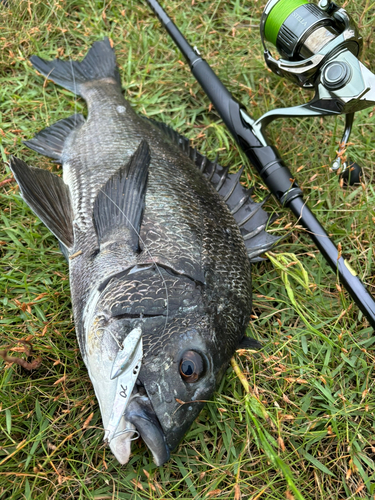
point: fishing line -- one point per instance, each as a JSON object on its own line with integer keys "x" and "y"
{"x": 125, "y": 431}
{"x": 97, "y": 330}
{"x": 149, "y": 253}
{"x": 70, "y": 59}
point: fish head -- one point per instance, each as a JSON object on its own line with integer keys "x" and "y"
{"x": 153, "y": 389}
{"x": 153, "y": 373}
{"x": 181, "y": 376}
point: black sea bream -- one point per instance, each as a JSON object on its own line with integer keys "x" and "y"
{"x": 159, "y": 268}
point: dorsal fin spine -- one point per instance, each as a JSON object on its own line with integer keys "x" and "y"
{"x": 236, "y": 179}
{"x": 223, "y": 178}
{"x": 256, "y": 231}
{"x": 239, "y": 204}
{"x": 251, "y": 214}
{"x": 211, "y": 174}
{"x": 203, "y": 164}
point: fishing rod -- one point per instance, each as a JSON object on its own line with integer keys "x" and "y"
{"x": 319, "y": 47}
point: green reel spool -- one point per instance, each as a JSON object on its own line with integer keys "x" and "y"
{"x": 277, "y": 16}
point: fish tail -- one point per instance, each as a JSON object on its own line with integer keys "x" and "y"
{"x": 99, "y": 63}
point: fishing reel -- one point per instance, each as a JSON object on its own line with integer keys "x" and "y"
{"x": 320, "y": 48}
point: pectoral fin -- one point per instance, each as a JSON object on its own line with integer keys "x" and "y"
{"x": 49, "y": 198}
{"x": 249, "y": 343}
{"x": 120, "y": 202}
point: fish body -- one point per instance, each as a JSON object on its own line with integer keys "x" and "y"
{"x": 160, "y": 274}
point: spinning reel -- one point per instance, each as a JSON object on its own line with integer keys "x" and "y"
{"x": 319, "y": 47}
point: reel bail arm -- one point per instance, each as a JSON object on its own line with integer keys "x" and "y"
{"x": 349, "y": 172}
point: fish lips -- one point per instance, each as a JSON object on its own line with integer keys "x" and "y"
{"x": 140, "y": 413}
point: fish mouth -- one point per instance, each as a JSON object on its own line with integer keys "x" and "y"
{"x": 140, "y": 419}
{"x": 141, "y": 414}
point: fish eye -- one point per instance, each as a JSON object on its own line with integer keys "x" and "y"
{"x": 191, "y": 366}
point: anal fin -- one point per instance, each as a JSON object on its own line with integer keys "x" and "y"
{"x": 49, "y": 198}
{"x": 50, "y": 141}
{"x": 120, "y": 202}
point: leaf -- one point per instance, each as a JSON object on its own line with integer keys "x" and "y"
{"x": 186, "y": 474}
{"x": 27, "y": 490}
{"x": 264, "y": 443}
{"x": 325, "y": 391}
{"x": 351, "y": 361}
{"x": 8, "y": 419}
{"x": 316, "y": 463}
{"x": 38, "y": 411}
{"x": 31, "y": 453}
{"x": 361, "y": 471}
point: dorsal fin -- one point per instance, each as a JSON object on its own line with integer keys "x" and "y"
{"x": 50, "y": 141}
{"x": 49, "y": 198}
{"x": 249, "y": 215}
{"x": 120, "y": 202}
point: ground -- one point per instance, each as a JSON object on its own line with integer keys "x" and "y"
{"x": 296, "y": 420}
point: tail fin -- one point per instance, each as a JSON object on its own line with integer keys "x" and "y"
{"x": 99, "y": 63}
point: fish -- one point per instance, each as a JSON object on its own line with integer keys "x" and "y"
{"x": 159, "y": 241}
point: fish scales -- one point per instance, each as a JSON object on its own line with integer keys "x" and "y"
{"x": 173, "y": 215}
{"x": 159, "y": 272}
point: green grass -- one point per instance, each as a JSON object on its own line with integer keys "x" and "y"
{"x": 305, "y": 429}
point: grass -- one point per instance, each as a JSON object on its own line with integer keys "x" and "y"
{"x": 298, "y": 421}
